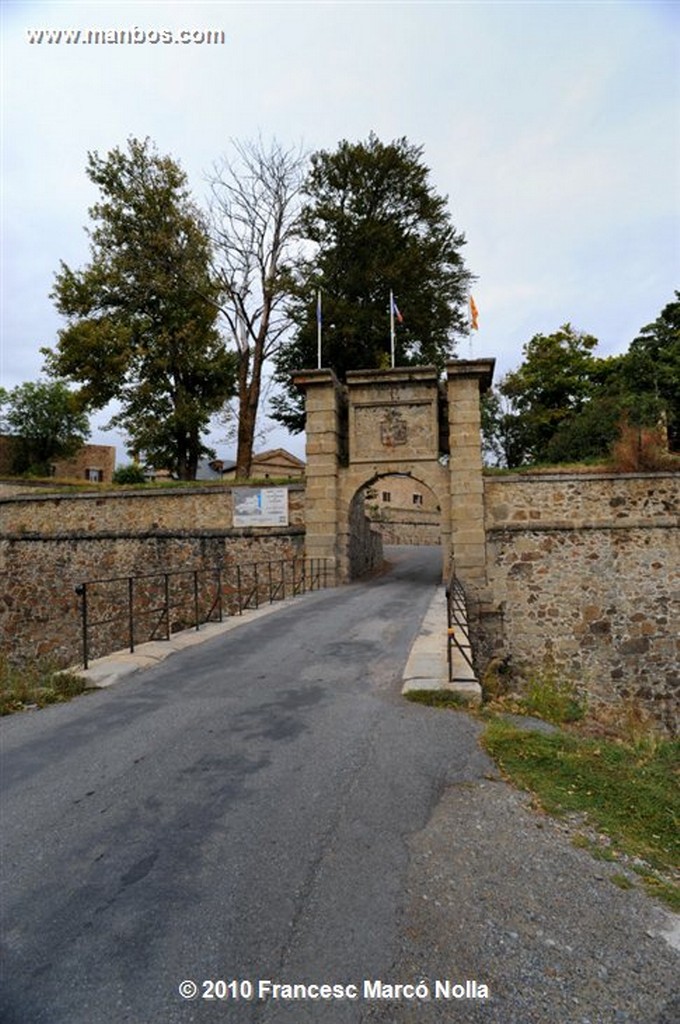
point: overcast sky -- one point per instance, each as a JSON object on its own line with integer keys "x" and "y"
{"x": 553, "y": 128}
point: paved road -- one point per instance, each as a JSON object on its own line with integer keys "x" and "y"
{"x": 241, "y": 811}
{"x": 266, "y": 807}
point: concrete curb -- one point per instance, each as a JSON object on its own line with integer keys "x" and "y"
{"x": 110, "y": 669}
{"x": 427, "y": 665}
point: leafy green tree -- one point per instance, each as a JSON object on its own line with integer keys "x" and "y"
{"x": 373, "y": 223}
{"x": 650, "y": 372}
{"x": 502, "y": 433}
{"x": 589, "y": 433}
{"x": 551, "y": 386}
{"x": 141, "y": 315}
{"x": 46, "y": 423}
{"x": 565, "y": 404}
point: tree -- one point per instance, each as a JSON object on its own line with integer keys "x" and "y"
{"x": 650, "y": 370}
{"x": 374, "y": 224}
{"x": 565, "y": 404}
{"x": 141, "y": 316}
{"x": 254, "y": 209}
{"x": 589, "y": 433}
{"x": 46, "y": 423}
{"x": 551, "y": 386}
{"x": 502, "y": 435}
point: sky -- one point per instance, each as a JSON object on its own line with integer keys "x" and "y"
{"x": 553, "y": 129}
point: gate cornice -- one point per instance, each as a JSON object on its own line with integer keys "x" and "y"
{"x": 478, "y": 369}
{"x": 396, "y": 375}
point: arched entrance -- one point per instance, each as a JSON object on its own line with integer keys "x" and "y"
{"x": 402, "y": 509}
{"x": 404, "y": 422}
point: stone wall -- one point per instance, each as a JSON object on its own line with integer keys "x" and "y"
{"x": 51, "y": 543}
{"x": 400, "y": 527}
{"x": 184, "y": 508}
{"x": 366, "y": 546}
{"x": 583, "y": 575}
{"x": 40, "y": 613}
{"x": 579, "y": 572}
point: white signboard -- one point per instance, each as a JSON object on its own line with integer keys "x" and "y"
{"x": 260, "y": 506}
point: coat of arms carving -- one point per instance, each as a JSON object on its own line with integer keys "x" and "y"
{"x": 393, "y": 429}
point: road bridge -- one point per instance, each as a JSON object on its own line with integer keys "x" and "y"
{"x": 266, "y": 806}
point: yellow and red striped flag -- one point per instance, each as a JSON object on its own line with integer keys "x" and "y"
{"x": 474, "y": 315}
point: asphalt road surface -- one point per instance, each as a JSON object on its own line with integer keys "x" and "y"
{"x": 239, "y": 813}
{"x": 266, "y": 809}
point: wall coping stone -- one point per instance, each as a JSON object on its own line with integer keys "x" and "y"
{"x": 171, "y": 492}
{"x": 549, "y": 478}
{"x": 537, "y": 526}
{"x": 395, "y": 375}
{"x": 229, "y": 531}
{"x": 305, "y": 378}
{"x": 482, "y": 369}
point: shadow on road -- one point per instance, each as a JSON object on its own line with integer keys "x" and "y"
{"x": 412, "y": 564}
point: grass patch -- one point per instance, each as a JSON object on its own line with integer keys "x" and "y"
{"x": 555, "y": 700}
{"x": 662, "y": 889}
{"x": 608, "y": 765}
{"x": 628, "y": 791}
{"x": 541, "y": 695}
{"x": 35, "y": 684}
{"x": 66, "y": 485}
{"x": 622, "y": 882}
{"x": 438, "y": 698}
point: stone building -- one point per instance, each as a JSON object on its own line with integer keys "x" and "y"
{"x": 277, "y": 463}
{"x": 403, "y": 510}
{"x": 93, "y": 462}
{"x": 567, "y": 573}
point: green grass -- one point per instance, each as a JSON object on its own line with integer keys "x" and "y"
{"x": 438, "y": 698}
{"x": 622, "y": 881}
{"x": 552, "y": 699}
{"x": 48, "y": 485}
{"x": 35, "y": 684}
{"x": 592, "y": 464}
{"x": 627, "y": 791}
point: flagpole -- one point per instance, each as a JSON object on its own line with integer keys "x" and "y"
{"x": 392, "y": 328}
{"x": 318, "y": 327}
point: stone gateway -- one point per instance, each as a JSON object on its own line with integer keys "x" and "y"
{"x": 566, "y": 572}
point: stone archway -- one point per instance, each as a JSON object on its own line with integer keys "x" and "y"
{"x": 402, "y": 421}
{"x": 401, "y": 508}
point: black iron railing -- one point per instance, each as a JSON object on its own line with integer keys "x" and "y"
{"x": 124, "y": 611}
{"x": 458, "y": 631}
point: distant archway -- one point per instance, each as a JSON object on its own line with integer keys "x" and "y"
{"x": 402, "y": 508}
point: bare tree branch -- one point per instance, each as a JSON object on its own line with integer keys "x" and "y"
{"x": 254, "y": 210}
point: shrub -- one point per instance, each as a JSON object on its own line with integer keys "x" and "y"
{"x": 641, "y": 448}
{"x": 130, "y": 474}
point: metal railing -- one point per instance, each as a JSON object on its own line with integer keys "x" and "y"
{"x": 128, "y": 610}
{"x": 458, "y": 632}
